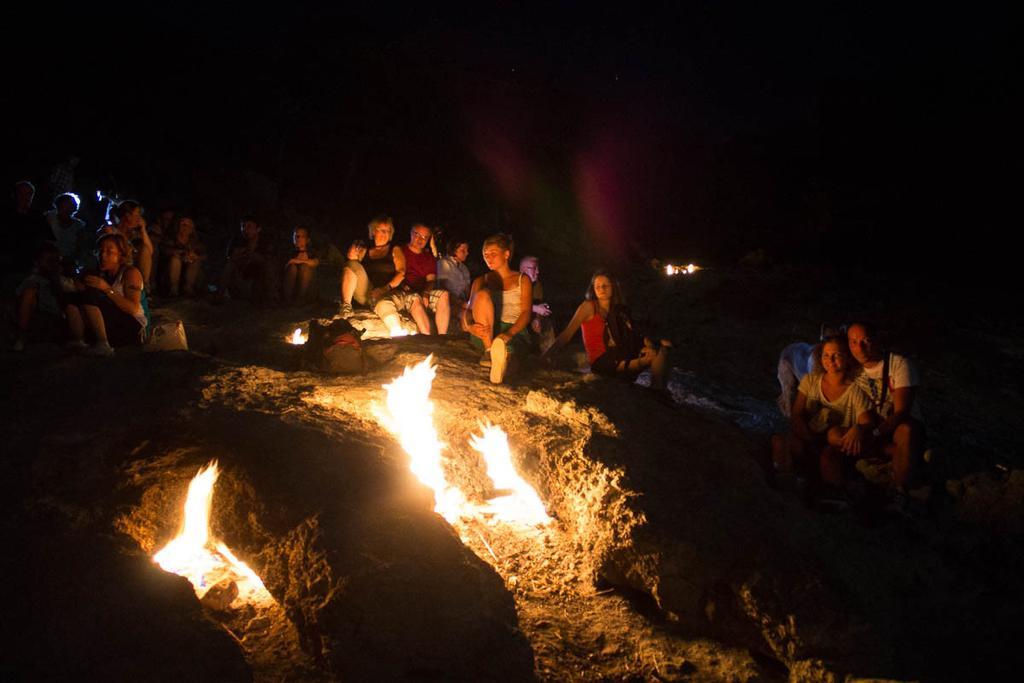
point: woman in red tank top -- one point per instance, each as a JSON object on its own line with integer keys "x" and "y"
{"x": 613, "y": 347}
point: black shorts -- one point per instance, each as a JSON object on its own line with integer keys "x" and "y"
{"x": 607, "y": 365}
{"x": 122, "y": 328}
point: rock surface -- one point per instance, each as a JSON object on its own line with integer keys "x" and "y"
{"x": 316, "y": 496}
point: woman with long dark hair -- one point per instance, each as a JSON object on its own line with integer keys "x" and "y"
{"x": 614, "y": 346}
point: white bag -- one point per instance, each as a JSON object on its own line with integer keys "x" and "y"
{"x": 168, "y": 336}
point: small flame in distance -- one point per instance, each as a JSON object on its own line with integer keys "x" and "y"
{"x": 688, "y": 269}
{"x": 297, "y": 337}
{"x": 206, "y": 562}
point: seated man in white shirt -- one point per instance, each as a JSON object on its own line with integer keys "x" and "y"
{"x": 891, "y": 382}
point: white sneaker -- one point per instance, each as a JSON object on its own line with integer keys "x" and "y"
{"x": 499, "y": 360}
{"x": 102, "y": 349}
{"x": 346, "y": 311}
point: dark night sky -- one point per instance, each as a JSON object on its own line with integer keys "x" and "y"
{"x": 707, "y": 130}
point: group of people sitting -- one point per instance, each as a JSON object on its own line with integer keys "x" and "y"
{"x": 503, "y": 310}
{"x": 857, "y": 402}
{"x": 72, "y": 282}
{"x": 96, "y": 285}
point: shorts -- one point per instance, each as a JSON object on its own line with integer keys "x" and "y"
{"x": 122, "y": 329}
{"x": 520, "y": 343}
{"x": 607, "y": 364}
{"x": 404, "y": 301}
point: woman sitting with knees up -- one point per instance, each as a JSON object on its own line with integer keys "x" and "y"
{"x": 355, "y": 284}
{"x": 830, "y": 418}
{"x": 384, "y": 269}
{"x": 301, "y": 267}
{"x": 183, "y": 254}
{"x": 613, "y": 345}
{"x": 112, "y": 303}
{"x": 499, "y": 309}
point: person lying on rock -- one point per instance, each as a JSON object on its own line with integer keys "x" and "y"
{"x": 419, "y": 294}
{"x": 890, "y": 382}
{"x": 830, "y": 418}
{"x": 112, "y": 302}
{"x": 300, "y": 270}
{"x": 614, "y": 346}
{"x": 500, "y": 304}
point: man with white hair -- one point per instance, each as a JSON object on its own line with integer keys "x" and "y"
{"x": 419, "y": 292}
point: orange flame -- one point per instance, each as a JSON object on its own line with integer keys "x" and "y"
{"x": 202, "y": 560}
{"x": 522, "y": 505}
{"x": 409, "y": 414}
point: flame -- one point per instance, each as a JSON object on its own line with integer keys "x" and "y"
{"x": 409, "y": 414}
{"x": 688, "y": 269}
{"x": 200, "y": 559}
{"x": 297, "y": 337}
{"x": 522, "y": 505}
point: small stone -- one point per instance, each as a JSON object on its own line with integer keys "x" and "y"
{"x": 220, "y": 597}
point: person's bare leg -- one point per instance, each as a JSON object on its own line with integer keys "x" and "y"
{"x": 191, "y": 276}
{"x": 173, "y": 274}
{"x": 831, "y": 462}
{"x": 419, "y": 316}
{"x": 348, "y": 286}
{"x": 75, "y": 322}
{"x": 26, "y": 307}
{"x": 659, "y": 367}
{"x": 482, "y": 307}
{"x": 907, "y": 447}
{"x": 146, "y": 265}
{"x": 291, "y": 274}
{"x": 443, "y": 313}
{"x": 94, "y": 317}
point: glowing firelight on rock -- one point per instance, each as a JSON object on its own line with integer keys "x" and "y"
{"x": 202, "y": 560}
{"x": 297, "y": 337}
{"x": 688, "y": 269}
{"x": 521, "y": 504}
{"x": 409, "y": 414}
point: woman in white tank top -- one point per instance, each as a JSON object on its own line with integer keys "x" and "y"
{"x": 505, "y": 333}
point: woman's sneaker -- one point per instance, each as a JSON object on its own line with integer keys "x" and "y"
{"x": 499, "y": 360}
{"x": 346, "y": 311}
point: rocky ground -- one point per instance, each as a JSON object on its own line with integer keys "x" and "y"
{"x": 671, "y": 557}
